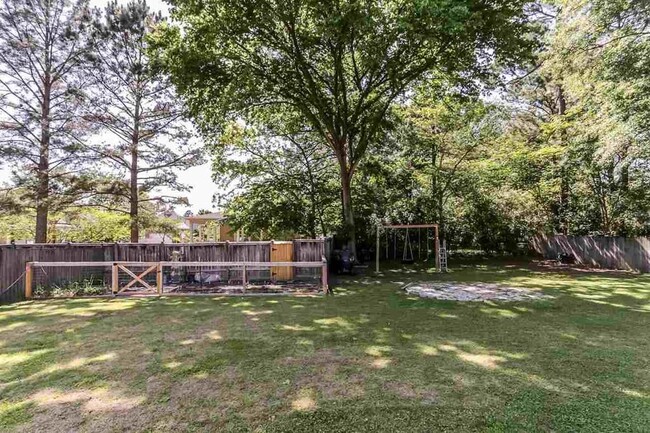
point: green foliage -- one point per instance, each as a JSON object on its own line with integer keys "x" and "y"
{"x": 330, "y": 117}
{"x": 91, "y": 286}
{"x": 45, "y": 47}
{"x": 585, "y": 119}
{"x": 148, "y": 139}
{"x": 278, "y": 181}
{"x": 272, "y": 211}
{"x": 97, "y": 226}
{"x": 334, "y": 67}
{"x": 307, "y": 54}
{"x": 16, "y": 227}
{"x": 87, "y": 225}
{"x": 564, "y": 152}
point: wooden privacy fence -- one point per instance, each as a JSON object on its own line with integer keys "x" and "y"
{"x": 13, "y": 258}
{"x": 607, "y": 252}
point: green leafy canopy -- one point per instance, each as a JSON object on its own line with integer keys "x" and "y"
{"x": 337, "y": 65}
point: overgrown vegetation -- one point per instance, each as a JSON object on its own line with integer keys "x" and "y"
{"x": 368, "y": 358}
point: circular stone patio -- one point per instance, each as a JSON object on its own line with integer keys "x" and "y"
{"x": 471, "y": 292}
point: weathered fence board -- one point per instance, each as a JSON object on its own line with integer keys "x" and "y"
{"x": 14, "y": 257}
{"x": 304, "y": 251}
{"x": 597, "y": 251}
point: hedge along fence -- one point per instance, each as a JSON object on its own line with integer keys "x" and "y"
{"x": 605, "y": 252}
{"x": 13, "y": 258}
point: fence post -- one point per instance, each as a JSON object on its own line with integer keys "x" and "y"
{"x": 244, "y": 282}
{"x": 377, "y": 251}
{"x": 437, "y": 243}
{"x": 28, "y": 280}
{"x": 324, "y": 277}
{"x": 271, "y": 259}
{"x": 159, "y": 279}
{"x": 115, "y": 281}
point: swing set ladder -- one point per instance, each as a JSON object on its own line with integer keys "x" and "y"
{"x": 443, "y": 256}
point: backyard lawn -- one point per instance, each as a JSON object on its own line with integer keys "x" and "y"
{"x": 369, "y": 358}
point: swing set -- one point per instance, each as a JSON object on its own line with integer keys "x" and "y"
{"x": 407, "y": 251}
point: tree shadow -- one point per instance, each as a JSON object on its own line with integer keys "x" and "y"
{"x": 367, "y": 357}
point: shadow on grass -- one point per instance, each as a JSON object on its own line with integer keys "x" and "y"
{"x": 368, "y": 358}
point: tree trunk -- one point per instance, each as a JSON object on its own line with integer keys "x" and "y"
{"x": 625, "y": 177}
{"x": 561, "y": 101}
{"x": 340, "y": 150}
{"x": 43, "y": 175}
{"x": 42, "y": 207}
{"x": 134, "y": 196}
{"x": 312, "y": 218}
{"x": 563, "y": 207}
{"x": 602, "y": 192}
{"x": 437, "y": 192}
{"x": 133, "y": 213}
{"x": 348, "y": 213}
{"x": 312, "y": 198}
{"x": 442, "y": 231}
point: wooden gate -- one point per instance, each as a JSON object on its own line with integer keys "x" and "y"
{"x": 137, "y": 278}
{"x": 282, "y": 252}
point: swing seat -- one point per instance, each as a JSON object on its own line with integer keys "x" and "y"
{"x": 407, "y": 257}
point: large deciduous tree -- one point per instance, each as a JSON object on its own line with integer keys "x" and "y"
{"x": 148, "y": 139}
{"x": 44, "y": 46}
{"x": 339, "y": 64}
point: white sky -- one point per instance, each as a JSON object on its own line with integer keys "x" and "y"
{"x": 199, "y": 178}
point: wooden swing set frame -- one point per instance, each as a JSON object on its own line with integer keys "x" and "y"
{"x": 407, "y": 227}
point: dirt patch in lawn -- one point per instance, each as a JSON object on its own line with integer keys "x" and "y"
{"x": 406, "y": 390}
{"x": 90, "y": 410}
{"x": 208, "y": 331}
{"x": 328, "y": 374}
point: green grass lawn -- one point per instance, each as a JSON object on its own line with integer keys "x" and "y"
{"x": 369, "y": 358}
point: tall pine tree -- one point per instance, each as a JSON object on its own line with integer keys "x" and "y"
{"x": 147, "y": 139}
{"x": 44, "y": 46}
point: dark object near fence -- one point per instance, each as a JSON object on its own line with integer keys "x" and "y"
{"x": 365, "y": 255}
{"x": 566, "y": 258}
{"x": 343, "y": 261}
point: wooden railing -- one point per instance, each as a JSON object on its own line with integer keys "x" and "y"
{"x": 158, "y": 267}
